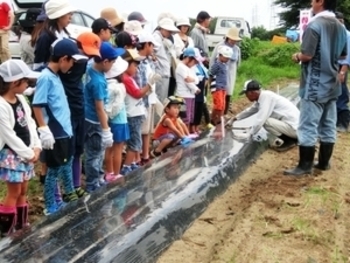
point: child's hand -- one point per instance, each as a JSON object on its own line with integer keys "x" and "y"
{"x": 37, "y": 152}
{"x": 198, "y": 91}
{"x": 189, "y": 79}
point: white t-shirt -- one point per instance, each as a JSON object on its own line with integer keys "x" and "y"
{"x": 183, "y": 88}
{"x": 272, "y": 105}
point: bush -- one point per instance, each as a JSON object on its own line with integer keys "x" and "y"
{"x": 248, "y": 46}
{"x": 280, "y": 55}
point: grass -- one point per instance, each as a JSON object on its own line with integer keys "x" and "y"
{"x": 257, "y": 68}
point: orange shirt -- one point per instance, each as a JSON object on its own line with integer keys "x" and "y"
{"x": 161, "y": 129}
{"x": 4, "y": 14}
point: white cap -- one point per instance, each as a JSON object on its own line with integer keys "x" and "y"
{"x": 57, "y": 8}
{"x": 133, "y": 27}
{"x": 225, "y": 51}
{"x": 118, "y": 68}
{"x": 168, "y": 24}
{"x": 183, "y": 22}
{"x": 147, "y": 37}
{"x": 15, "y": 69}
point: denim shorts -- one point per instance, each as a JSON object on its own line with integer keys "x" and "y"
{"x": 135, "y": 141}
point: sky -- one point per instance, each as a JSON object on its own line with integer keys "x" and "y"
{"x": 181, "y": 8}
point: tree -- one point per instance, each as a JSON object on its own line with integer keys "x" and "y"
{"x": 290, "y": 17}
{"x": 259, "y": 32}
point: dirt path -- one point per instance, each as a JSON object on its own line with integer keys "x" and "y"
{"x": 268, "y": 217}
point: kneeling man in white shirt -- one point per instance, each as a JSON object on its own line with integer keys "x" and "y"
{"x": 275, "y": 113}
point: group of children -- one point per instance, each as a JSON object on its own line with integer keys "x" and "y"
{"x": 94, "y": 98}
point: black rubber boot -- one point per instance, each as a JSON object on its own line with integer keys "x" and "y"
{"x": 306, "y": 158}
{"x": 22, "y": 217}
{"x": 227, "y": 104}
{"x": 8, "y": 219}
{"x": 324, "y": 155}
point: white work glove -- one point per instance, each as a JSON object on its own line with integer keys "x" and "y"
{"x": 46, "y": 138}
{"x": 29, "y": 91}
{"x": 153, "y": 79}
{"x": 107, "y": 138}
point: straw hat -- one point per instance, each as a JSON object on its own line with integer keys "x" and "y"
{"x": 111, "y": 15}
{"x": 233, "y": 34}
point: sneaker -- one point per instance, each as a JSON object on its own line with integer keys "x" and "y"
{"x": 155, "y": 154}
{"x": 70, "y": 197}
{"x": 134, "y": 166}
{"x": 110, "y": 177}
{"x": 125, "y": 170}
{"x": 53, "y": 209}
{"x": 102, "y": 182}
{"x": 210, "y": 126}
{"x": 80, "y": 192}
{"x": 92, "y": 188}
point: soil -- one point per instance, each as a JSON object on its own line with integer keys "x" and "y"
{"x": 268, "y": 217}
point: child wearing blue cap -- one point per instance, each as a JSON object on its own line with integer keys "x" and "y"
{"x": 98, "y": 133}
{"x": 52, "y": 113}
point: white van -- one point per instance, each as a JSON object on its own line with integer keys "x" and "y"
{"x": 81, "y": 22}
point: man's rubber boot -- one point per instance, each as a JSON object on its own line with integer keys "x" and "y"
{"x": 22, "y": 216}
{"x": 324, "y": 155}
{"x": 306, "y": 159}
{"x": 8, "y": 219}
{"x": 227, "y": 104}
{"x": 288, "y": 143}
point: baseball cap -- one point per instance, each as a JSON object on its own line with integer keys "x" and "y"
{"x": 191, "y": 52}
{"x": 173, "y": 100}
{"x": 30, "y": 17}
{"x": 132, "y": 55}
{"x": 133, "y": 27}
{"x": 99, "y": 24}
{"x": 203, "y": 15}
{"x": 109, "y": 52}
{"x": 250, "y": 85}
{"x": 118, "y": 68}
{"x": 15, "y": 69}
{"x": 137, "y": 16}
{"x": 168, "y": 24}
{"x": 66, "y": 47}
{"x": 90, "y": 43}
{"x": 225, "y": 51}
{"x": 58, "y": 8}
{"x": 147, "y": 37}
{"x": 42, "y": 16}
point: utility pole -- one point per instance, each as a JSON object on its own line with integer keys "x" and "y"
{"x": 273, "y": 14}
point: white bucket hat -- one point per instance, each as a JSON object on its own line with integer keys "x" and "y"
{"x": 147, "y": 37}
{"x": 168, "y": 24}
{"x": 57, "y": 8}
{"x": 118, "y": 68}
{"x": 183, "y": 22}
{"x": 133, "y": 27}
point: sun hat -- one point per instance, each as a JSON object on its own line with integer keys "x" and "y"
{"x": 183, "y": 22}
{"x": 133, "y": 27}
{"x": 250, "y": 85}
{"x": 30, "y": 17}
{"x": 67, "y": 47}
{"x": 57, "y": 8}
{"x": 168, "y": 24}
{"x": 173, "y": 100}
{"x": 111, "y": 15}
{"x": 101, "y": 23}
{"x": 132, "y": 55}
{"x": 15, "y": 69}
{"x": 109, "y": 52}
{"x": 191, "y": 52}
{"x": 90, "y": 43}
{"x": 233, "y": 34}
{"x": 203, "y": 15}
{"x": 119, "y": 67}
{"x": 166, "y": 15}
{"x": 137, "y": 16}
{"x": 147, "y": 37}
{"x": 225, "y": 51}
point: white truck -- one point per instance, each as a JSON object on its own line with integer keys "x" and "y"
{"x": 223, "y": 24}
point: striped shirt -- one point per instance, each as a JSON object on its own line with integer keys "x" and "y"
{"x": 141, "y": 79}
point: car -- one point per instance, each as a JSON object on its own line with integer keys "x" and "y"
{"x": 81, "y": 22}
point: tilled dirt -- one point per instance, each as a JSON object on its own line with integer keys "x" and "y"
{"x": 268, "y": 217}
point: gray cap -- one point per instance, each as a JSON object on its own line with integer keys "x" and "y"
{"x": 137, "y": 16}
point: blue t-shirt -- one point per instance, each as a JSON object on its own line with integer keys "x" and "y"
{"x": 73, "y": 86}
{"x": 325, "y": 41}
{"x": 95, "y": 90}
{"x": 49, "y": 94}
{"x": 121, "y": 118}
